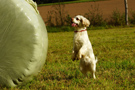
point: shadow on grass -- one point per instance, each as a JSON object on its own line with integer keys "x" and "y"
{"x": 59, "y": 78}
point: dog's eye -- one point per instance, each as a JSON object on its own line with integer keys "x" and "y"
{"x": 77, "y": 18}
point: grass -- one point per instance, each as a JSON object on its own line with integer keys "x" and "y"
{"x": 115, "y": 49}
{"x": 69, "y": 2}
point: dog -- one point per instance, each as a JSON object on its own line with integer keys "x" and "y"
{"x": 82, "y": 48}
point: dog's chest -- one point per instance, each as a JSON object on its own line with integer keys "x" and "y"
{"x": 78, "y": 40}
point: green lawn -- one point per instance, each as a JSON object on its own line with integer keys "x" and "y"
{"x": 115, "y": 49}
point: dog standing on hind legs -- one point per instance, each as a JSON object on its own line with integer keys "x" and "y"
{"x": 82, "y": 48}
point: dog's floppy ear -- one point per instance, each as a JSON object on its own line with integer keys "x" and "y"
{"x": 85, "y": 22}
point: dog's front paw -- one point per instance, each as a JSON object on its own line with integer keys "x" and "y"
{"x": 79, "y": 56}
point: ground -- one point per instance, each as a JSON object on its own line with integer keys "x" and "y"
{"x": 106, "y": 7}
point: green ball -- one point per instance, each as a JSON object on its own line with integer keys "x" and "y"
{"x": 23, "y": 42}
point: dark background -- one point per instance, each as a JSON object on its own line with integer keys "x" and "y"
{"x": 50, "y": 1}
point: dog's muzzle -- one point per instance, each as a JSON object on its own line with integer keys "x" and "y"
{"x": 73, "y": 24}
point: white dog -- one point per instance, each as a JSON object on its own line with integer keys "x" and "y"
{"x": 82, "y": 48}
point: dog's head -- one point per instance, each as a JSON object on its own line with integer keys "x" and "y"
{"x": 80, "y": 21}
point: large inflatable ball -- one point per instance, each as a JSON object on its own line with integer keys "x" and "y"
{"x": 23, "y": 42}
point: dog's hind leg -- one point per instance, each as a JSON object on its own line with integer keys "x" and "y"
{"x": 93, "y": 74}
{"x": 93, "y": 68}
